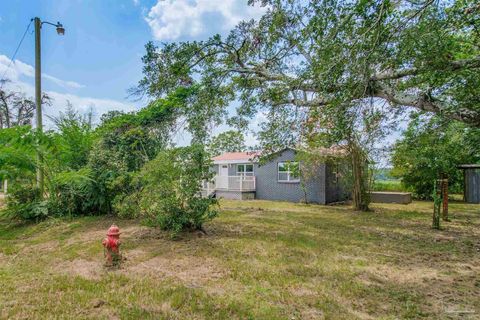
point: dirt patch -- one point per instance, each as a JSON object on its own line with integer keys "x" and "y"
{"x": 190, "y": 270}
{"x": 91, "y": 270}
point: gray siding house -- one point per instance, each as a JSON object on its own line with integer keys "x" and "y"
{"x": 239, "y": 175}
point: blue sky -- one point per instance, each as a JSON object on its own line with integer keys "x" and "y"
{"x": 99, "y": 57}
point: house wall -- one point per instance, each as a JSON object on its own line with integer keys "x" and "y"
{"x": 269, "y": 188}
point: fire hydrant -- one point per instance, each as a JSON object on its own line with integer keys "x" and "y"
{"x": 111, "y": 244}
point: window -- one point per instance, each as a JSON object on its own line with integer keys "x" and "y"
{"x": 288, "y": 171}
{"x": 244, "y": 169}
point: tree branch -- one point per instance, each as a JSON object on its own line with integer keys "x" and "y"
{"x": 425, "y": 102}
{"x": 452, "y": 66}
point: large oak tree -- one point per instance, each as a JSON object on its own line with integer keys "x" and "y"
{"x": 316, "y": 61}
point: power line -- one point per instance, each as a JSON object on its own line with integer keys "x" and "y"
{"x": 3, "y": 80}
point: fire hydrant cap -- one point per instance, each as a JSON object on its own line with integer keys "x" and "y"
{"x": 113, "y": 231}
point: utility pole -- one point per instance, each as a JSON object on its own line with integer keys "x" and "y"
{"x": 38, "y": 101}
{"x": 38, "y": 93}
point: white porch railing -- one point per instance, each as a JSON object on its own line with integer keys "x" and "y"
{"x": 233, "y": 183}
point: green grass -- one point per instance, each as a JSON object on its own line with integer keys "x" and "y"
{"x": 388, "y": 185}
{"x": 259, "y": 260}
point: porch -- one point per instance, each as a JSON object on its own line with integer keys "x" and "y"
{"x": 230, "y": 184}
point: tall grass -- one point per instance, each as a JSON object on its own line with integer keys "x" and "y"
{"x": 388, "y": 185}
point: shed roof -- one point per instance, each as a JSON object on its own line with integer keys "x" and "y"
{"x": 469, "y": 166}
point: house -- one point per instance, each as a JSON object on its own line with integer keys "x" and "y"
{"x": 240, "y": 175}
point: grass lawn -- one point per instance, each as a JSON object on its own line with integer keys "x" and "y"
{"x": 260, "y": 260}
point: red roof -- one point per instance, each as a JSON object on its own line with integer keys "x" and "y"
{"x": 236, "y": 156}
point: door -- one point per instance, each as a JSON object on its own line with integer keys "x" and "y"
{"x": 222, "y": 179}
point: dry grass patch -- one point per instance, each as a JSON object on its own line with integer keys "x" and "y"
{"x": 192, "y": 271}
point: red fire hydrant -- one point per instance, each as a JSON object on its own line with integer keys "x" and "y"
{"x": 112, "y": 244}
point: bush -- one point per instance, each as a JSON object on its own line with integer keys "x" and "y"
{"x": 70, "y": 193}
{"x": 24, "y": 202}
{"x": 169, "y": 191}
{"x": 74, "y": 193}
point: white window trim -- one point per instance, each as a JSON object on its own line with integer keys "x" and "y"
{"x": 245, "y": 172}
{"x": 287, "y": 172}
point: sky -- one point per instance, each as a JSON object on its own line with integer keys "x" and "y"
{"x": 99, "y": 58}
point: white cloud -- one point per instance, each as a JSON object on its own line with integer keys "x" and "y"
{"x": 173, "y": 19}
{"x": 80, "y": 103}
{"x": 14, "y": 70}
{"x": 136, "y": 2}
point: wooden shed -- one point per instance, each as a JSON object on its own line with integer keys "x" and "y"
{"x": 471, "y": 191}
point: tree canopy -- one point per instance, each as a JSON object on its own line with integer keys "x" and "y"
{"x": 310, "y": 54}
{"x": 228, "y": 141}
{"x": 430, "y": 147}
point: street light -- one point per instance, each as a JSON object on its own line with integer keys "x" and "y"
{"x": 60, "y": 29}
{"x": 38, "y": 91}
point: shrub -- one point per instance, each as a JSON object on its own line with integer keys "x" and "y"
{"x": 74, "y": 193}
{"x": 70, "y": 193}
{"x": 169, "y": 191}
{"x": 24, "y": 202}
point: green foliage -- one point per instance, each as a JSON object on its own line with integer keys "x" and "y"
{"x": 71, "y": 193}
{"x": 430, "y": 147}
{"x": 24, "y": 202}
{"x": 135, "y": 138}
{"x": 228, "y": 141}
{"x": 124, "y": 163}
{"x": 126, "y": 142}
{"x": 74, "y": 193}
{"x": 74, "y": 138}
{"x": 17, "y": 153}
{"x": 169, "y": 190}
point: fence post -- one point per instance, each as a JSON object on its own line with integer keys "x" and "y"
{"x": 437, "y": 203}
{"x": 445, "y": 198}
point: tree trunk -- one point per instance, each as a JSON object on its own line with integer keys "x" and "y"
{"x": 360, "y": 196}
